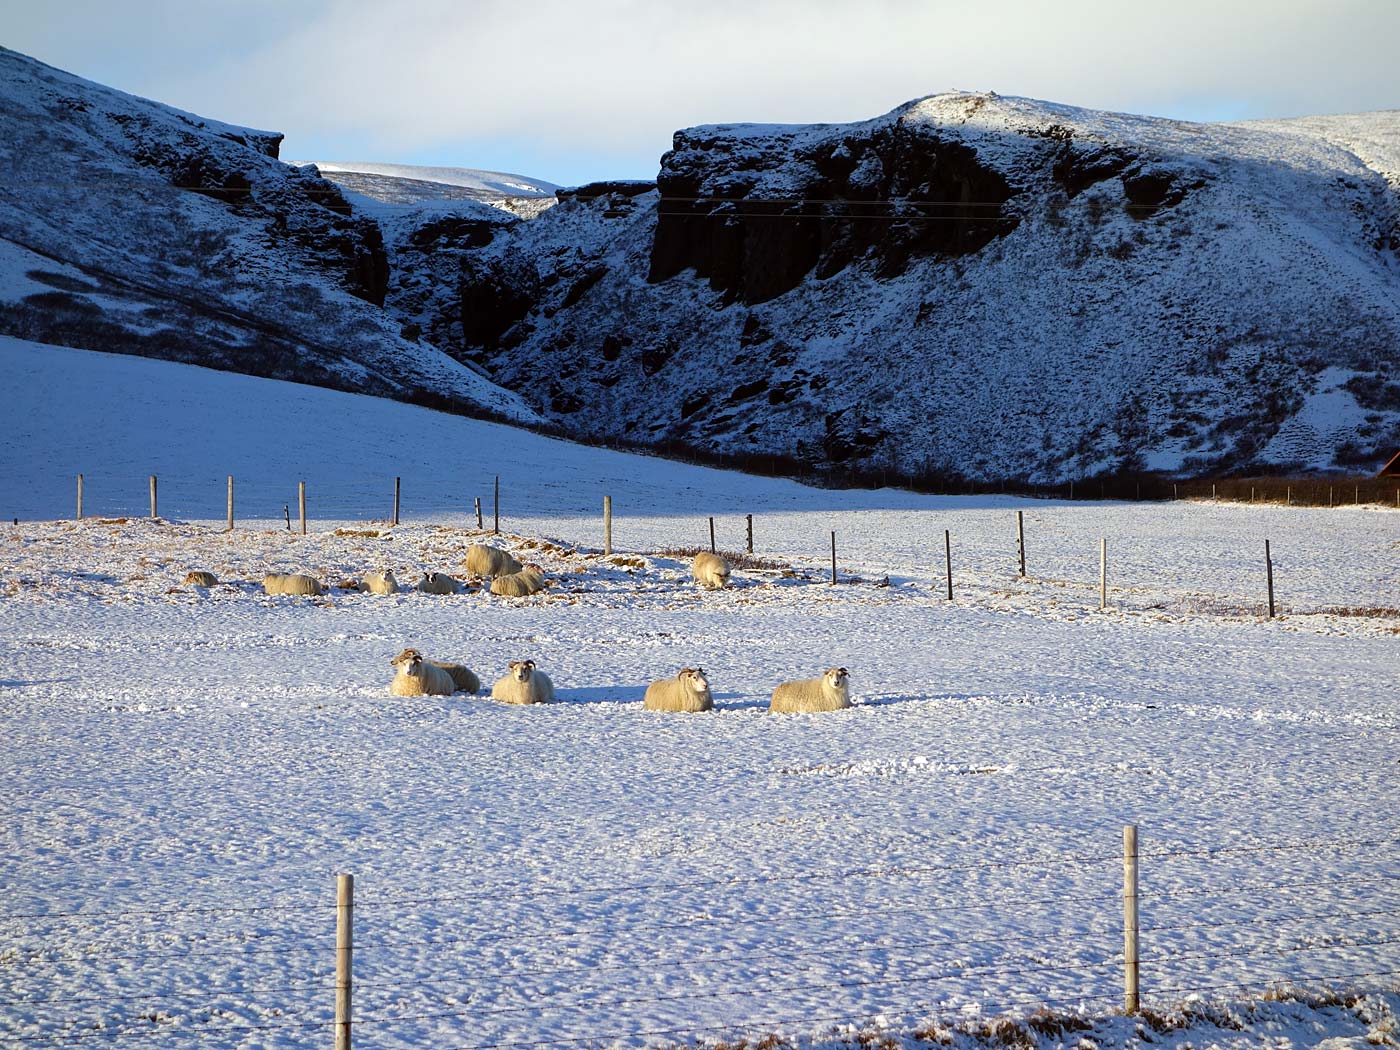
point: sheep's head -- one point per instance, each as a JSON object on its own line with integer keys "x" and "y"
{"x": 694, "y": 678}
{"x": 522, "y": 669}
{"x": 836, "y": 677}
{"x": 410, "y": 660}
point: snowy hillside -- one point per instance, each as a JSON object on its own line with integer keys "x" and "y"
{"x": 974, "y": 285}
{"x": 187, "y": 768}
{"x": 414, "y": 184}
{"x": 141, "y": 229}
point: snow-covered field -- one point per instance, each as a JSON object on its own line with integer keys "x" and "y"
{"x": 186, "y": 771}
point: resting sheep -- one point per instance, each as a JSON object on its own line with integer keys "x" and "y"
{"x": 830, "y": 692}
{"x": 688, "y": 691}
{"x": 463, "y": 678}
{"x": 527, "y": 581}
{"x": 523, "y": 685}
{"x": 380, "y": 583}
{"x": 490, "y": 561}
{"x": 198, "y": 578}
{"x": 296, "y": 583}
{"x": 710, "y": 570}
{"x": 418, "y": 677}
{"x": 439, "y": 583}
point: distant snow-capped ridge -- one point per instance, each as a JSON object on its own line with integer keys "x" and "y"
{"x": 502, "y": 182}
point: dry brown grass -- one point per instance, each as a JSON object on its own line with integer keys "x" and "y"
{"x": 1380, "y": 612}
{"x": 361, "y": 534}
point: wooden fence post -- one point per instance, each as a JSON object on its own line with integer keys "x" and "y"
{"x": 230, "y": 503}
{"x": 749, "y": 517}
{"x": 478, "y": 512}
{"x": 496, "y": 528}
{"x": 1269, "y": 570}
{"x": 1288, "y": 497}
{"x": 607, "y": 524}
{"x": 1103, "y": 573}
{"x": 344, "y": 944}
{"x": 1021, "y": 538}
{"x": 80, "y": 497}
{"x": 1130, "y": 919}
{"x": 1212, "y": 490}
{"x": 301, "y": 504}
{"x": 396, "y": 501}
{"x": 712, "y": 536}
{"x": 833, "y": 556}
{"x": 153, "y": 497}
{"x": 1329, "y": 496}
{"x": 948, "y": 560}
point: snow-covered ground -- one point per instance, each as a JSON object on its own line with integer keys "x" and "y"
{"x": 187, "y": 770}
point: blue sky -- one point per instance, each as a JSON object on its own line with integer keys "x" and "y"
{"x": 571, "y": 92}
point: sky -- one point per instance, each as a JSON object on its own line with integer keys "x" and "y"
{"x": 573, "y": 92}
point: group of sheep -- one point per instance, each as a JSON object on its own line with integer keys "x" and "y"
{"x": 688, "y": 691}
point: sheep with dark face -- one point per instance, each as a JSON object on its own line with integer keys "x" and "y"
{"x": 439, "y": 583}
{"x": 830, "y": 692}
{"x": 419, "y": 677}
{"x": 710, "y": 571}
{"x": 523, "y": 684}
{"x": 200, "y": 578}
{"x": 689, "y": 691}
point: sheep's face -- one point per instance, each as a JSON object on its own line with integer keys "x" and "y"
{"x": 410, "y": 661}
{"x": 522, "y": 669}
{"x": 836, "y": 678}
{"x": 694, "y": 678}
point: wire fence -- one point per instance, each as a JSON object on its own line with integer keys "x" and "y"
{"x": 600, "y": 964}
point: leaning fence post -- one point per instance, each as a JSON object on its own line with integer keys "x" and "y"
{"x": 1103, "y": 573}
{"x": 301, "y": 504}
{"x": 607, "y": 524}
{"x": 833, "y": 557}
{"x": 478, "y": 512}
{"x": 153, "y": 497}
{"x": 1130, "y": 919}
{"x": 344, "y": 915}
{"x": 1021, "y": 538}
{"x": 712, "y": 536}
{"x": 230, "y": 503}
{"x": 1269, "y": 570}
{"x": 396, "y": 501}
{"x": 948, "y": 560}
{"x": 750, "y": 521}
{"x": 80, "y": 497}
{"x": 497, "y": 527}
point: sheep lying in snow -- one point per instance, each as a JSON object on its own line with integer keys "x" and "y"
{"x": 490, "y": 561}
{"x": 830, "y": 692}
{"x": 439, "y": 583}
{"x": 296, "y": 583}
{"x": 710, "y": 570}
{"x": 527, "y": 581}
{"x": 380, "y": 583}
{"x": 463, "y": 678}
{"x": 419, "y": 677}
{"x": 198, "y": 578}
{"x": 688, "y": 691}
{"x": 523, "y": 685}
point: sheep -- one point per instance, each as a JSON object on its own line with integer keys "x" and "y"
{"x": 830, "y": 692}
{"x": 688, "y": 691}
{"x": 527, "y": 581}
{"x": 523, "y": 685}
{"x": 379, "y": 583}
{"x": 482, "y": 560}
{"x": 439, "y": 583}
{"x": 199, "y": 578}
{"x": 419, "y": 677}
{"x": 710, "y": 570}
{"x": 296, "y": 583}
{"x": 463, "y": 678}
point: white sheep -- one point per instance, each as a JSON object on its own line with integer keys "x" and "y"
{"x": 830, "y": 692}
{"x": 295, "y": 583}
{"x": 419, "y": 677}
{"x": 482, "y": 560}
{"x": 710, "y": 570}
{"x": 688, "y": 691}
{"x": 529, "y": 580}
{"x": 463, "y": 678}
{"x": 199, "y": 578}
{"x": 523, "y": 685}
{"x": 439, "y": 583}
{"x": 380, "y": 583}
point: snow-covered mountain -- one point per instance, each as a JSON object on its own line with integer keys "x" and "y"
{"x": 138, "y": 228}
{"x": 414, "y": 184}
{"x": 973, "y": 285}
{"x": 970, "y": 285}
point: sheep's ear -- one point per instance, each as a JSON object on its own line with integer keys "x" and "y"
{"x": 513, "y": 664}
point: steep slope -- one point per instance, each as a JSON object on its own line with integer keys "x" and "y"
{"x": 138, "y": 228}
{"x": 415, "y": 184}
{"x": 972, "y": 285}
